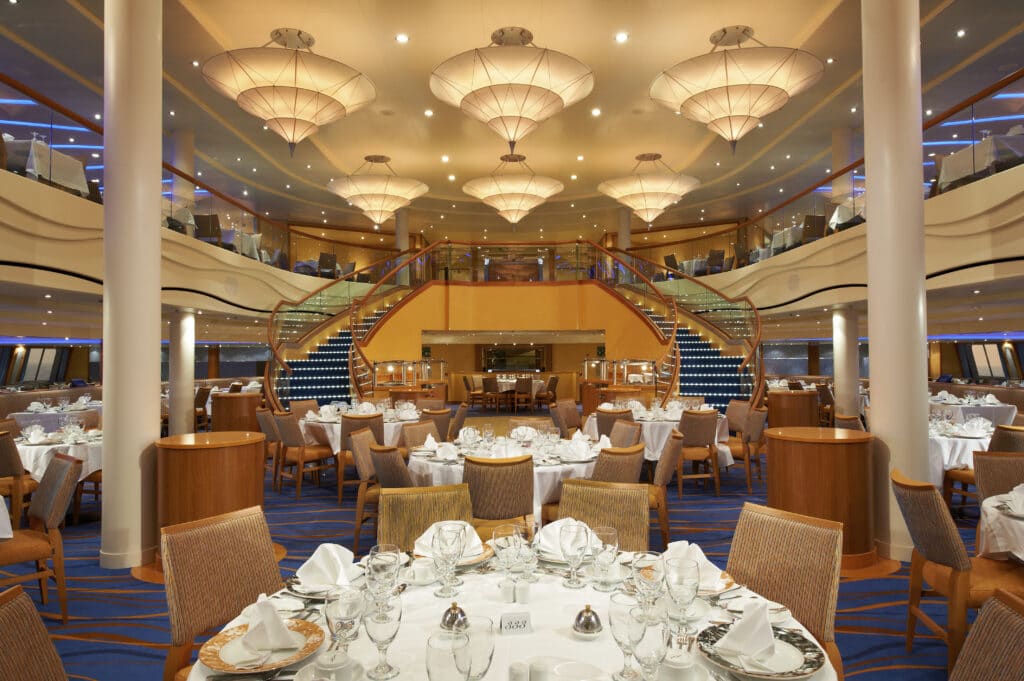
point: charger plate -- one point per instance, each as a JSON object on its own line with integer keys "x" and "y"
{"x": 209, "y": 654}
{"x": 800, "y": 656}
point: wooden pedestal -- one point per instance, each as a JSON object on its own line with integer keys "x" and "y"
{"x": 792, "y": 408}
{"x": 235, "y": 411}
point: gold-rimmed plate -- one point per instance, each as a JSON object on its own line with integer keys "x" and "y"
{"x": 210, "y": 653}
{"x": 472, "y": 561}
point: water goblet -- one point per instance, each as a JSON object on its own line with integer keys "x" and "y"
{"x": 574, "y": 540}
{"x": 508, "y": 546}
{"x": 381, "y": 628}
{"x": 487, "y": 432}
{"x": 480, "y": 631}
{"x": 626, "y": 631}
{"x": 652, "y": 645}
{"x": 46, "y": 402}
{"x": 682, "y": 580}
{"x": 530, "y": 562}
{"x": 446, "y": 546}
{"x": 343, "y": 611}
{"x": 649, "y": 576}
{"x": 382, "y": 565}
{"x": 448, "y": 656}
{"x": 604, "y": 557}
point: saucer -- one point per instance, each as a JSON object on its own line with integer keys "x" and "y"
{"x": 408, "y": 576}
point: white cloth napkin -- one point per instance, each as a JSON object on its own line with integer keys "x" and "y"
{"x": 710, "y": 575}
{"x": 525, "y": 433}
{"x": 446, "y": 451}
{"x": 312, "y": 416}
{"x": 548, "y": 542}
{"x": 606, "y": 405}
{"x": 35, "y": 407}
{"x": 430, "y": 444}
{"x": 603, "y": 443}
{"x": 706, "y": 407}
{"x": 474, "y": 547}
{"x": 977, "y": 426}
{"x": 575, "y": 450}
{"x": 579, "y": 436}
{"x": 1015, "y": 499}
{"x": 329, "y": 566}
{"x": 328, "y": 412}
{"x": 942, "y": 394}
{"x": 751, "y": 635}
{"x": 408, "y": 414}
{"x": 506, "y": 450}
{"x": 469, "y": 435}
{"x": 267, "y": 633}
{"x": 36, "y": 436}
{"x": 991, "y": 399}
{"x": 366, "y": 408}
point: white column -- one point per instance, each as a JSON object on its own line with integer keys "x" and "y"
{"x": 402, "y": 241}
{"x": 896, "y": 284}
{"x": 845, "y": 365}
{"x": 625, "y": 239}
{"x": 842, "y": 156}
{"x": 182, "y": 372}
{"x": 184, "y": 144}
{"x": 131, "y": 281}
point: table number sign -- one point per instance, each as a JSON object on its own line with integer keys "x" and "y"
{"x": 516, "y": 623}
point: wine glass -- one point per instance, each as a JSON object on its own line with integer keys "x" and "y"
{"x": 343, "y": 612}
{"x": 626, "y": 631}
{"x": 682, "y": 580}
{"x": 651, "y": 647}
{"x": 530, "y": 562}
{"x": 480, "y": 631}
{"x": 649, "y": 576}
{"x": 382, "y": 627}
{"x": 446, "y": 547}
{"x": 382, "y": 566}
{"x": 574, "y": 540}
{"x": 448, "y": 657}
{"x": 487, "y": 432}
{"x": 604, "y": 557}
{"x": 508, "y": 546}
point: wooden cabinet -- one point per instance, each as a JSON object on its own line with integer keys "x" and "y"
{"x": 235, "y": 411}
{"x": 792, "y": 408}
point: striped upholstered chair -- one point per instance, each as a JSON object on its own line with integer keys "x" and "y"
{"x": 746, "y": 446}
{"x": 26, "y": 651}
{"x": 15, "y": 484}
{"x": 302, "y": 457}
{"x": 997, "y": 472}
{"x": 442, "y": 419}
{"x": 993, "y": 650}
{"x": 606, "y": 418}
{"x": 405, "y": 514}
{"x": 625, "y": 433}
{"x": 389, "y": 466}
{"x": 663, "y": 472}
{"x": 213, "y": 568}
{"x": 619, "y": 464}
{"x": 501, "y": 491}
{"x": 300, "y": 407}
{"x": 271, "y": 440}
{"x": 794, "y": 560}
{"x": 940, "y": 559}
{"x": 848, "y": 421}
{"x": 1007, "y": 439}
{"x": 609, "y": 504}
{"x": 700, "y": 433}
{"x": 568, "y": 417}
{"x": 368, "y": 494}
{"x": 455, "y": 427}
{"x": 415, "y": 434}
{"x": 538, "y": 422}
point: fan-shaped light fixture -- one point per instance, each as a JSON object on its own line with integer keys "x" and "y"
{"x": 649, "y": 192}
{"x": 378, "y": 195}
{"x": 731, "y": 90}
{"x": 511, "y": 85}
{"x": 294, "y": 92}
{"x": 513, "y": 194}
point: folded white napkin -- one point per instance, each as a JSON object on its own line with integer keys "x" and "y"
{"x": 429, "y": 444}
{"x": 36, "y": 436}
{"x": 710, "y": 575}
{"x": 35, "y": 407}
{"x": 575, "y": 450}
{"x": 469, "y": 435}
{"x": 548, "y": 542}
{"x": 366, "y": 408}
{"x": 329, "y": 566}
{"x": 328, "y": 412}
{"x": 1015, "y": 499}
{"x": 606, "y": 405}
{"x": 674, "y": 405}
{"x": 267, "y": 633}
{"x": 407, "y": 414}
{"x": 255, "y": 384}
{"x": 942, "y": 394}
{"x": 506, "y": 450}
{"x": 312, "y": 416}
{"x": 991, "y": 399}
{"x": 751, "y": 635}
{"x": 524, "y": 433}
{"x": 673, "y": 414}
{"x": 706, "y": 407}
{"x": 446, "y": 451}
{"x": 603, "y": 443}
{"x": 579, "y": 436}
{"x": 977, "y": 426}
{"x": 474, "y": 547}
{"x": 83, "y": 400}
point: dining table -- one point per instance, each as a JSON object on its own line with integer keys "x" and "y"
{"x": 52, "y": 419}
{"x": 657, "y": 431}
{"x": 1000, "y": 529}
{"x": 332, "y": 428}
{"x": 36, "y": 457}
{"x": 507, "y": 384}
{"x": 980, "y": 156}
{"x": 37, "y": 159}
{"x": 998, "y": 414}
{"x": 946, "y": 453}
{"x": 549, "y": 642}
{"x": 6, "y": 531}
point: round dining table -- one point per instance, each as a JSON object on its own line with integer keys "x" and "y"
{"x": 656, "y": 434}
{"x": 36, "y": 457}
{"x": 1000, "y": 529}
{"x": 392, "y": 431}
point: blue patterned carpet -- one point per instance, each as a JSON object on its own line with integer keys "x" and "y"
{"x": 118, "y": 627}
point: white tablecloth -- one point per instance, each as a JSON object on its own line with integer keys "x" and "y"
{"x": 947, "y": 453}
{"x": 510, "y": 384}
{"x": 551, "y": 607}
{"x": 998, "y": 414}
{"x": 39, "y": 160}
{"x": 656, "y": 433}
{"x": 36, "y": 458}
{"x": 49, "y": 420}
{"x": 6, "y": 531}
{"x": 980, "y": 156}
{"x": 999, "y": 534}
{"x": 392, "y": 429}
{"x": 547, "y": 480}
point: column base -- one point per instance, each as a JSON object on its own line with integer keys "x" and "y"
{"x": 153, "y": 573}
{"x": 866, "y": 565}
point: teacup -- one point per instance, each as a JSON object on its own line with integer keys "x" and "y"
{"x": 423, "y": 570}
{"x": 679, "y": 666}
{"x": 336, "y": 665}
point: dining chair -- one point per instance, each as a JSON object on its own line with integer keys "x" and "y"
{"x": 556, "y": 419}
{"x": 736, "y": 415}
{"x": 625, "y": 433}
{"x": 368, "y": 494}
{"x": 271, "y": 439}
{"x": 619, "y": 464}
{"x": 296, "y": 453}
{"x": 26, "y": 651}
{"x": 997, "y": 472}
{"x": 213, "y": 568}
{"x": 235, "y": 387}
{"x": 389, "y": 466}
{"x": 318, "y": 433}
{"x": 406, "y": 513}
{"x": 492, "y": 396}
{"x": 794, "y": 560}
{"x": 548, "y": 396}
{"x": 202, "y": 419}
{"x": 623, "y": 506}
{"x": 847, "y": 421}
{"x": 473, "y": 395}
{"x": 746, "y": 445}
{"x": 658, "y": 489}
{"x": 569, "y": 417}
{"x": 8, "y": 425}
{"x": 90, "y": 485}
{"x": 15, "y": 483}
{"x": 455, "y": 427}
{"x": 501, "y": 492}
{"x": 795, "y": 385}
{"x": 993, "y": 650}
{"x": 522, "y": 395}
{"x": 442, "y": 420}
{"x": 300, "y": 407}
{"x": 352, "y": 422}
{"x": 415, "y": 434}
{"x": 1007, "y": 439}
{"x": 700, "y": 448}
{"x": 42, "y": 541}
{"x": 940, "y": 559}
{"x": 606, "y": 418}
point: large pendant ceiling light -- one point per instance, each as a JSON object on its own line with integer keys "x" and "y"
{"x": 511, "y": 85}
{"x": 294, "y": 92}
{"x": 649, "y": 192}
{"x": 731, "y": 90}
{"x": 513, "y": 194}
{"x": 378, "y": 195}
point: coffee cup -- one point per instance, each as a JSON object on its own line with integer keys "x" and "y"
{"x": 423, "y": 569}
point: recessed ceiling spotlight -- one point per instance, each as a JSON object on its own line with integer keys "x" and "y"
{"x": 48, "y": 296}
{"x": 760, "y": 125}
{"x": 402, "y": 38}
{"x": 927, "y": 112}
{"x": 254, "y": 170}
{"x": 787, "y": 157}
{"x": 780, "y": 190}
{"x": 376, "y": 227}
{"x": 451, "y": 178}
{"x": 97, "y": 116}
{"x": 621, "y": 37}
{"x": 195, "y": 63}
{"x": 718, "y": 163}
{"x": 580, "y": 157}
{"x": 308, "y": 166}
{"x": 325, "y": 221}
{"x": 288, "y": 186}
{"x": 171, "y": 112}
{"x": 961, "y": 33}
{"x": 445, "y": 158}
{"x": 830, "y": 60}
{"x": 596, "y": 111}
{"x": 572, "y": 177}
{"x": 245, "y": 192}
{"x": 428, "y": 112}
{"x": 771, "y": 167}
{"x": 853, "y": 109}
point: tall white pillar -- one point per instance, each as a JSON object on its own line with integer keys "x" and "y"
{"x": 402, "y": 241}
{"x": 132, "y": 96}
{"x": 845, "y": 365}
{"x": 182, "y": 372}
{"x": 625, "y": 239}
{"x": 184, "y": 144}
{"x": 842, "y": 156}
{"x": 896, "y": 285}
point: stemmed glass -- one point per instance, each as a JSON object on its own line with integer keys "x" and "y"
{"x": 508, "y": 547}
{"x": 448, "y": 657}
{"x": 649, "y": 576}
{"x": 652, "y": 645}
{"x": 487, "y": 432}
{"x": 382, "y": 566}
{"x": 604, "y": 557}
{"x": 343, "y": 612}
{"x": 574, "y": 540}
{"x": 381, "y": 628}
{"x": 446, "y": 547}
{"x": 480, "y": 631}
{"x": 626, "y": 631}
{"x": 682, "y": 580}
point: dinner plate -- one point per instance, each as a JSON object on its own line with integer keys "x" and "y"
{"x": 403, "y": 559}
{"x": 421, "y": 452}
{"x": 777, "y": 613}
{"x": 586, "y": 460}
{"x": 725, "y": 582}
{"x": 473, "y": 560}
{"x": 796, "y": 656}
{"x": 210, "y": 653}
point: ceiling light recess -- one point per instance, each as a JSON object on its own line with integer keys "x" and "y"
{"x": 730, "y": 90}
{"x": 649, "y": 192}
{"x": 513, "y": 194}
{"x": 377, "y": 194}
{"x": 511, "y": 85}
{"x": 294, "y": 91}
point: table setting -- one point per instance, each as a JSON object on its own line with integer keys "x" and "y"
{"x": 1001, "y": 526}
{"x": 658, "y": 422}
{"x": 330, "y": 416}
{"x": 952, "y": 445}
{"x": 53, "y": 415}
{"x": 665, "y": 617}
{"x": 962, "y": 409}
{"x": 37, "y": 447}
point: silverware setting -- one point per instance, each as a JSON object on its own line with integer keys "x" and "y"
{"x": 277, "y": 675}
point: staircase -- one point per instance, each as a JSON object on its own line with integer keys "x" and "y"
{"x": 704, "y": 370}
{"x": 322, "y": 376}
